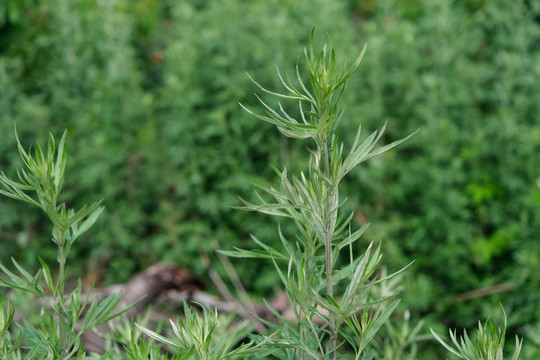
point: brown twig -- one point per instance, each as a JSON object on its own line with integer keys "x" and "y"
{"x": 490, "y": 290}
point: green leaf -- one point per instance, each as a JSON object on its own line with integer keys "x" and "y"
{"x": 359, "y": 275}
{"x": 353, "y": 237}
{"x": 381, "y": 319}
{"x": 101, "y": 311}
{"x": 368, "y": 355}
{"x": 60, "y": 165}
{"x": 154, "y": 335}
{"x": 358, "y": 153}
{"x": 268, "y": 252}
{"x": 88, "y": 222}
{"x": 19, "y": 283}
{"x": 389, "y": 146}
{"x": 290, "y": 97}
{"x": 14, "y": 190}
{"x": 21, "y": 270}
{"x": 393, "y": 274}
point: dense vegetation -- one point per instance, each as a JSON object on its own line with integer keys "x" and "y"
{"x": 149, "y": 93}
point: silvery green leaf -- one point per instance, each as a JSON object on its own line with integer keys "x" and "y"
{"x": 31, "y": 285}
{"x": 359, "y": 275}
{"x": 60, "y": 165}
{"x": 388, "y": 147}
{"x": 87, "y": 223}
{"x": 353, "y": 237}
{"x": 101, "y": 311}
{"x": 380, "y": 320}
{"x": 154, "y": 335}
{"x": 291, "y": 97}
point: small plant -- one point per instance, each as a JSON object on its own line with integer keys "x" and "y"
{"x": 311, "y": 200}
{"x": 489, "y": 344}
{"x": 7, "y": 346}
{"x": 399, "y": 338}
{"x": 205, "y": 337}
{"x": 58, "y": 336}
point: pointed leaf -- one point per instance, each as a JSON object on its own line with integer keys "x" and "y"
{"x": 156, "y": 336}
{"x": 388, "y": 147}
{"x": 383, "y": 317}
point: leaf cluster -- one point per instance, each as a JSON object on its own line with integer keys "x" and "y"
{"x": 205, "y": 336}
{"x": 44, "y": 176}
{"x": 312, "y": 202}
{"x": 489, "y": 344}
{"x": 58, "y": 335}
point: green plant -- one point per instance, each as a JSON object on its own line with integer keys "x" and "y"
{"x": 489, "y": 344}
{"x": 399, "y": 340}
{"x": 312, "y": 202}
{"x": 205, "y": 337}
{"x": 400, "y": 337}
{"x": 463, "y": 195}
{"x": 7, "y": 345}
{"x": 57, "y": 336}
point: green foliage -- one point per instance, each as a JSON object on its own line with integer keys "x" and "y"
{"x": 149, "y": 90}
{"x": 488, "y": 346}
{"x": 150, "y": 129}
{"x": 57, "y": 335}
{"x": 460, "y": 199}
{"x": 400, "y": 338}
{"x": 45, "y": 176}
{"x": 532, "y": 334}
{"x": 8, "y": 347}
{"x": 205, "y": 337}
{"x": 312, "y": 202}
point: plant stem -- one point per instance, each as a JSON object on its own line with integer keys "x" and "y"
{"x": 330, "y": 291}
{"x": 305, "y": 336}
{"x": 59, "y": 293}
{"x": 328, "y": 233}
{"x": 60, "y": 239}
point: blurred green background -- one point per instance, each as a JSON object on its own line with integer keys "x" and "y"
{"x": 149, "y": 92}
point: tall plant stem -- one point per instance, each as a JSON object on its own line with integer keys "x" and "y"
{"x": 328, "y": 232}
{"x": 330, "y": 291}
{"x": 60, "y": 292}
{"x": 61, "y": 273}
{"x": 60, "y": 237}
